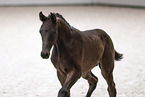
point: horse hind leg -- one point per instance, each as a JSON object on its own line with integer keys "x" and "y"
{"x": 111, "y": 84}
{"x": 92, "y": 80}
{"x": 106, "y": 66}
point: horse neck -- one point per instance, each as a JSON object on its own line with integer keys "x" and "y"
{"x": 64, "y": 32}
{"x": 64, "y": 37}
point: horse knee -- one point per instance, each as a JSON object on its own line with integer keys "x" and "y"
{"x": 63, "y": 93}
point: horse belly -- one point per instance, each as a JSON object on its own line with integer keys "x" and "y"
{"x": 89, "y": 64}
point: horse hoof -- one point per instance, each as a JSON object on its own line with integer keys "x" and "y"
{"x": 63, "y": 93}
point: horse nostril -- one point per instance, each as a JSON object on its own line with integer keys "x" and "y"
{"x": 44, "y": 55}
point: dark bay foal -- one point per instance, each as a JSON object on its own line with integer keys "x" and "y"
{"x": 75, "y": 53}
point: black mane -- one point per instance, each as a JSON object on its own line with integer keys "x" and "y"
{"x": 60, "y": 16}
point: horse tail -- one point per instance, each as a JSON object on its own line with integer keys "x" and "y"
{"x": 118, "y": 56}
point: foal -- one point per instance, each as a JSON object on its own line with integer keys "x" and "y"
{"x": 75, "y": 53}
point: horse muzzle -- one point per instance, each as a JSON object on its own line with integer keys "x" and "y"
{"x": 45, "y": 55}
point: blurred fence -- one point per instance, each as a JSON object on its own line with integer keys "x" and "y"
{"x": 137, "y": 3}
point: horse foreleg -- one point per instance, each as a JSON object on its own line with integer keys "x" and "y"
{"x": 92, "y": 80}
{"x": 72, "y": 77}
{"x": 61, "y": 77}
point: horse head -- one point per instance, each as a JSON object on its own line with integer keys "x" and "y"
{"x": 48, "y": 33}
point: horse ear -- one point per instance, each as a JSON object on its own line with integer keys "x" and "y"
{"x": 42, "y": 17}
{"x": 53, "y": 17}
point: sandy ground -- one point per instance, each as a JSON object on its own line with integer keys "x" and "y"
{"x": 23, "y": 73}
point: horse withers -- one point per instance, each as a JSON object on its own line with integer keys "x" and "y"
{"x": 75, "y": 53}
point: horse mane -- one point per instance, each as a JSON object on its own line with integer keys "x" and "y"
{"x": 60, "y": 16}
